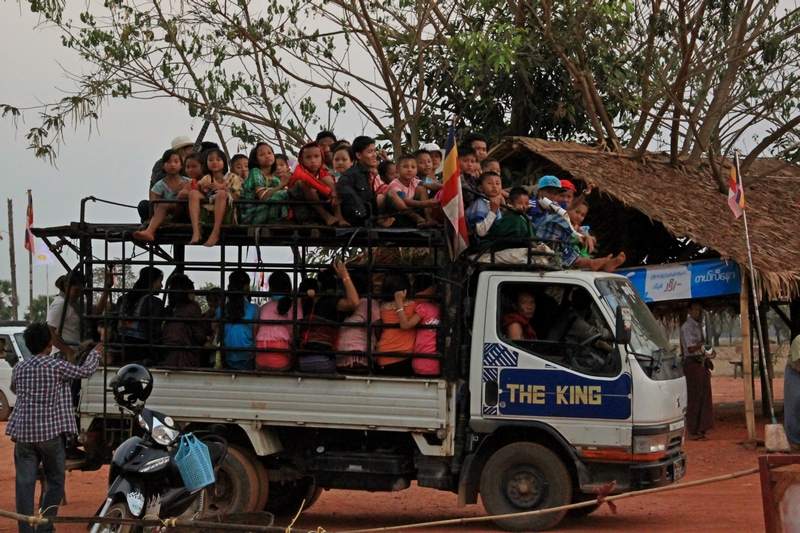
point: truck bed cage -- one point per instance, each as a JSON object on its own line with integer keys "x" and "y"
{"x": 431, "y": 246}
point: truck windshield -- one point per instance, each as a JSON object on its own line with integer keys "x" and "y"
{"x": 21, "y": 344}
{"x": 649, "y": 343}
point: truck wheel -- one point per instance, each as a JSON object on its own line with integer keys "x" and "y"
{"x": 117, "y": 510}
{"x": 5, "y": 409}
{"x": 525, "y": 477}
{"x": 261, "y": 475}
{"x": 236, "y": 489}
{"x": 285, "y": 498}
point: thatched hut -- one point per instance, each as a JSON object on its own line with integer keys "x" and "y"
{"x": 657, "y": 213}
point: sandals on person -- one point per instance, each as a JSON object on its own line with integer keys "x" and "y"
{"x": 697, "y": 436}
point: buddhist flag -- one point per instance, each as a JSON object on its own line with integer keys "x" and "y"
{"x": 735, "y": 188}
{"x": 452, "y": 200}
{"x": 43, "y": 256}
{"x": 29, "y": 224}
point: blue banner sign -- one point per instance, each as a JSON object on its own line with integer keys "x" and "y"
{"x": 530, "y": 392}
{"x": 682, "y": 281}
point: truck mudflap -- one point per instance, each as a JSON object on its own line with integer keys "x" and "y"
{"x": 631, "y": 477}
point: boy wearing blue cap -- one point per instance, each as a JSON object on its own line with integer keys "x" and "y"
{"x": 549, "y": 187}
{"x": 555, "y": 226}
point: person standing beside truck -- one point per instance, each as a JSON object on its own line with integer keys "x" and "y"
{"x": 41, "y": 419}
{"x": 699, "y": 403}
{"x": 791, "y": 395}
{"x": 64, "y": 315}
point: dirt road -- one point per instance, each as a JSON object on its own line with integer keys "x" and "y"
{"x": 733, "y": 505}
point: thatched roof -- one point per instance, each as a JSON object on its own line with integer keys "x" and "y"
{"x": 684, "y": 201}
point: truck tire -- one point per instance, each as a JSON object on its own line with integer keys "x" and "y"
{"x": 237, "y": 487}
{"x": 525, "y": 477}
{"x": 285, "y": 498}
{"x": 261, "y": 475}
{"x": 5, "y": 409}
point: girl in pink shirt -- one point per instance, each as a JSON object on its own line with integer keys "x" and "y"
{"x": 274, "y": 339}
{"x": 353, "y": 335}
{"x": 425, "y": 342}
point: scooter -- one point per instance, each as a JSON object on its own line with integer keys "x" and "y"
{"x": 144, "y": 480}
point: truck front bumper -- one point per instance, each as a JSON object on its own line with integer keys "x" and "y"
{"x": 632, "y": 477}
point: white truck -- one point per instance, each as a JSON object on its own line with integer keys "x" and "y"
{"x": 14, "y": 351}
{"x": 528, "y": 424}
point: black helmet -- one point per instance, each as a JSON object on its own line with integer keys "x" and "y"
{"x": 131, "y": 384}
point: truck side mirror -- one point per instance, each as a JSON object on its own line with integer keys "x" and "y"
{"x": 623, "y": 329}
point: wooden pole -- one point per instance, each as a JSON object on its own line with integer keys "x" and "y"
{"x": 768, "y": 372}
{"x": 30, "y": 262}
{"x": 747, "y": 357}
{"x": 13, "y": 259}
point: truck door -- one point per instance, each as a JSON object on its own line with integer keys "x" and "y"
{"x": 548, "y": 354}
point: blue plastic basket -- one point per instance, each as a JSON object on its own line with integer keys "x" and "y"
{"x": 194, "y": 463}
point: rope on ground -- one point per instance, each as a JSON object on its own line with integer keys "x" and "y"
{"x": 39, "y": 520}
{"x": 175, "y": 523}
{"x": 600, "y": 499}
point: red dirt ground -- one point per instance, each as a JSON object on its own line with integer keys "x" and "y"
{"x": 733, "y": 505}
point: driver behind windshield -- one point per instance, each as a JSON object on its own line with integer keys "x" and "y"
{"x": 581, "y": 324}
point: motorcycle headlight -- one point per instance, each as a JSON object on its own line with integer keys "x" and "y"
{"x": 164, "y": 435}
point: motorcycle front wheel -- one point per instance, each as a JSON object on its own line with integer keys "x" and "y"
{"x": 117, "y": 510}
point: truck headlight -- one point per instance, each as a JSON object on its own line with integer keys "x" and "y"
{"x": 645, "y": 444}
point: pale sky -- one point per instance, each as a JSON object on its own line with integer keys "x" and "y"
{"x": 113, "y": 162}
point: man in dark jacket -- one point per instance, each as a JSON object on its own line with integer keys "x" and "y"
{"x": 356, "y": 187}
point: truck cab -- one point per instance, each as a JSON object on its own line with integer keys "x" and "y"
{"x": 609, "y": 410}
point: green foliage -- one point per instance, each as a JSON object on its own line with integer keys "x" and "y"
{"x": 37, "y": 310}
{"x": 695, "y": 76}
{"x": 6, "y": 309}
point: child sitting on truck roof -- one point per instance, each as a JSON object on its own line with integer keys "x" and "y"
{"x": 240, "y": 165}
{"x": 577, "y": 213}
{"x": 172, "y": 187}
{"x": 513, "y": 224}
{"x": 264, "y": 184}
{"x": 483, "y": 212}
{"x": 406, "y": 199}
{"x": 312, "y": 183}
{"x": 220, "y": 188}
{"x": 554, "y": 227}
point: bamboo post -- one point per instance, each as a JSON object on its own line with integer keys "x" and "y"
{"x": 747, "y": 357}
{"x": 767, "y": 372}
{"x": 12, "y": 256}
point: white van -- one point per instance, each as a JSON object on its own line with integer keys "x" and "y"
{"x": 14, "y": 349}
